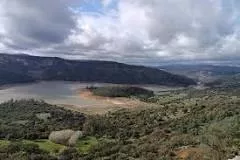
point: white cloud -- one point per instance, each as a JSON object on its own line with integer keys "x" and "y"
{"x": 106, "y": 3}
{"x": 136, "y": 30}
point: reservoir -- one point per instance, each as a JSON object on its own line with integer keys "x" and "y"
{"x": 63, "y": 93}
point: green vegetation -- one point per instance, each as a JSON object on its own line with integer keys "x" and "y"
{"x": 23, "y": 151}
{"x": 85, "y": 144}
{"x": 20, "y": 119}
{"x": 184, "y": 124}
{"x": 13, "y": 69}
{"x": 44, "y": 148}
{"x": 47, "y": 146}
{"x": 229, "y": 82}
{"x": 204, "y": 121}
{"x": 4, "y": 143}
{"x": 121, "y": 91}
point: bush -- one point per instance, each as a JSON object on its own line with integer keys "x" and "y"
{"x": 69, "y": 153}
{"x": 31, "y": 119}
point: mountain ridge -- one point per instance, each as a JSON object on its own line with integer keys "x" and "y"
{"x": 26, "y": 68}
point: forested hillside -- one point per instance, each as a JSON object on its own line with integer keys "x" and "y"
{"x": 24, "y": 68}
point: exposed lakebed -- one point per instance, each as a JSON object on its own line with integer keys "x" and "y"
{"x": 63, "y": 93}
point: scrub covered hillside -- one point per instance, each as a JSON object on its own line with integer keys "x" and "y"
{"x": 183, "y": 124}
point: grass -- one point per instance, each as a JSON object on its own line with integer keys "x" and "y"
{"x": 4, "y": 143}
{"x": 47, "y": 145}
{"x": 85, "y": 144}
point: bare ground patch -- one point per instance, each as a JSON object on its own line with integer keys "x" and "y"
{"x": 106, "y": 104}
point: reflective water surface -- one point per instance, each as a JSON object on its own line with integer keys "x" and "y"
{"x": 56, "y": 92}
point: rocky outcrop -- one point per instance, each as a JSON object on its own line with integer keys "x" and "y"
{"x": 65, "y": 137}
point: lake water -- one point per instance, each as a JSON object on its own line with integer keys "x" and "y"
{"x": 56, "y": 92}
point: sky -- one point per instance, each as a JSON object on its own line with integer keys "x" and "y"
{"x": 130, "y": 31}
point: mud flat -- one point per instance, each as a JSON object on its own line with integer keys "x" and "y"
{"x": 109, "y": 103}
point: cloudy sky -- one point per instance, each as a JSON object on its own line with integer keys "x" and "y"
{"x": 131, "y": 31}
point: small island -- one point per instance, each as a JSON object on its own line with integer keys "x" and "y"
{"x": 120, "y": 91}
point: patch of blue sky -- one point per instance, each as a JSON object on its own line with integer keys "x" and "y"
{"x": 94, "y": 6}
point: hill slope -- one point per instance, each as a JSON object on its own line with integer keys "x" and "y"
{"x": 185, "y": 124}
{"x": 193, "y": 69}
{"x": 30, "y": 119}
{"x": 24, "y": 68}
{"x": 202, "y": 73}
{"x": 196, "y": 70}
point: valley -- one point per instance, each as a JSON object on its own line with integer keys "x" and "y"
{"x": 119, "y": 80}
{"x": 181, "y": 124}
{"x": 75, "y": 120}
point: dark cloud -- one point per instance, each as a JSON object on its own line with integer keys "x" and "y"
{"x": 136, "y": 31}
{"x": 32, "y": 24}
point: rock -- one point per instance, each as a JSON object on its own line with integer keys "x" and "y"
{"x": 65, "y": 137}
{"x": 236, "y": 158}
{"x": 73, "y": 139}
{"x": 43, "y": 116}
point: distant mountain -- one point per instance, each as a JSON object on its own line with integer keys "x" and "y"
{"x": 202, "y": 72}
{"x": 227, "y": 82}
{"x": 213, "y": 69}
{"x": 25, "y": 68}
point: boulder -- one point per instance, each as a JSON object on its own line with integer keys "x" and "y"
{"x": 65, "y": 137}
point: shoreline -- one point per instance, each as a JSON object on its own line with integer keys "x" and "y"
{"x": 163, "y": 87}
{"x": 76, "y": 97}
{"x": 86, "y": 94}
{"x": 111, "y": 104}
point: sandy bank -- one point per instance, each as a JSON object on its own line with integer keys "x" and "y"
{"x": 106, "y": 104}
